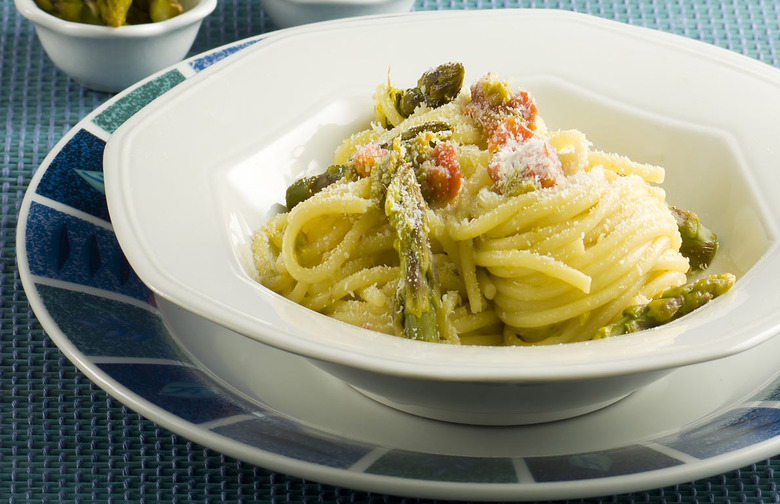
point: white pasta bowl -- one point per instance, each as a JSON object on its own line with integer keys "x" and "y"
{"x": 193, "y": 175}
{"x": 106, "y": 58}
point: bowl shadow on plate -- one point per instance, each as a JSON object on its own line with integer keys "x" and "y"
{"x": 241, "y": 365}
{"x": 294, "y": 387}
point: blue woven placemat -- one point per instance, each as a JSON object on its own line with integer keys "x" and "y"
{"x": 62, "y": 439}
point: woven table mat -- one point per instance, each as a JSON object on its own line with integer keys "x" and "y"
{"x": 64, "y": 439}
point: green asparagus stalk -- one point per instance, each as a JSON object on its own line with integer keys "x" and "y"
{"x": 673, "y": 304}
{"x": 441, "y": 128}
{"x": 114, "y": 12}
{"x": 442, "y": 84}
{"x": 418, "y": 300}
{"x": 436, "y": 87}
{"x": 699, "y": 244}
{"x": 160, "y": 10}
{"x": 306, "y": 187}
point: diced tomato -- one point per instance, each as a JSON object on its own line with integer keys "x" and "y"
{"x": 444, "y": 177}
{"x": 525, "y": 104}
{"x": 492, "y": 102}
{"x": 511, "y": 128}
{"x": 365, "y": 156}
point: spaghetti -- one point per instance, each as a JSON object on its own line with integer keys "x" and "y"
{"x": 458, "y": 217}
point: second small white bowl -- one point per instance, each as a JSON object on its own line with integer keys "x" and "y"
{"x": 110, "y": 59}
{"x": 287, "y": 13}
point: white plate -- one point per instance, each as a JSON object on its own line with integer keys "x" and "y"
{"x": 192, "y": 176}
{"x": 276, "y": 410}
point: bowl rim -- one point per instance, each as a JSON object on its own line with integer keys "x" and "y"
{"x": 30, "y": 10}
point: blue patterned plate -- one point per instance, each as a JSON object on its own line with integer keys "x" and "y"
{"x": 278, "y": 411}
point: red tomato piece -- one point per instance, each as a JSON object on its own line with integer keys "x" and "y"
{"x": 511, "y": 128}
{"x": 365, "y": 156}
{"x": 444, "y": 177}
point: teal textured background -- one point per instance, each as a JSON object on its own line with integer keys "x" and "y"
{"x": 62, "y": 439}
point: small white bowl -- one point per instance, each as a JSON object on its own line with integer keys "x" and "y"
{"x": 190, "y": 177}
{"x": 287, "y": 13}
{"x": 106, "y": 58}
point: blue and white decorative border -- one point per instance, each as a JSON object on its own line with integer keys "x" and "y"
{"x": 92, "y": 297}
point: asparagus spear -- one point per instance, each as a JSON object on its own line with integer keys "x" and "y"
{"x": 440, "y": 127}
{"x": 160, "y": 10}
{"x": 436, "y": 87}
{"x": 699, "y": 244}
{"x": 673, "y": 304}
{"x": 306, "y": 187}
{"x": 114, "y": 12}
{"x": 77, "y": 11}
{"x": 442, "y": 84}
{"x": 418, "y": 300}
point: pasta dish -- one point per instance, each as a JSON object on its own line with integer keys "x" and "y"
{"x": 459, "y": 217}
